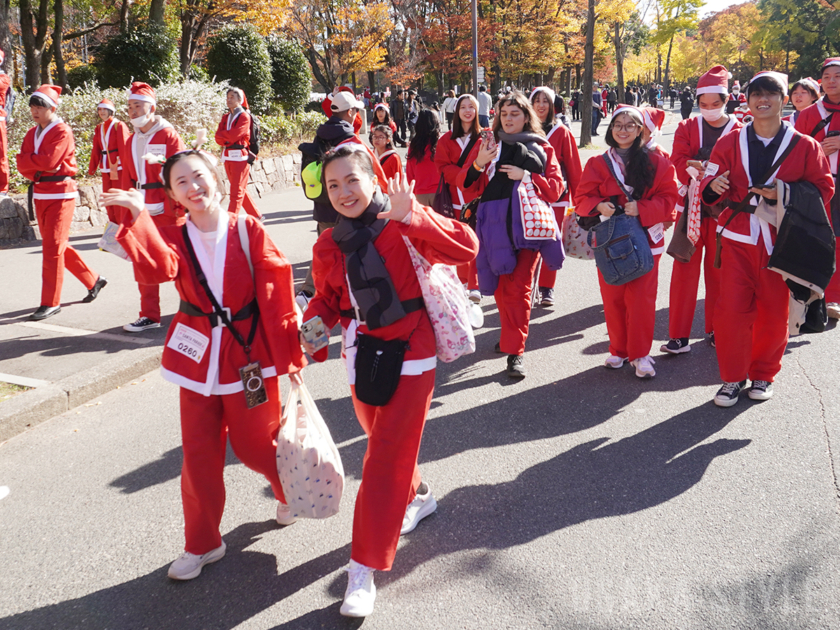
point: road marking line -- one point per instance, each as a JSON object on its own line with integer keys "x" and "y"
{"x": 4, "y": 492}
{"x": 23, "y": 381}
{"x": 358, "y": 438}
{"x": 81, "y": 332}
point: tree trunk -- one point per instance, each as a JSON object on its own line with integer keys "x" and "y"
{"x": 156, "y": 12}
{"x": 619, "y": 63}
{"x": 316, "y": 70}
{"x": 5, "y": 43}
{"x": 372, "y": 81}
{"x": 126, "y": 4}
{"x": 588, "y": 72}
{"x": 33, "y": 35}
{"x": 58, "y": 33}
{"x": 668, "y": 64}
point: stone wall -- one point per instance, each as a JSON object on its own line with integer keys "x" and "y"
{"x": 267, "y": 175}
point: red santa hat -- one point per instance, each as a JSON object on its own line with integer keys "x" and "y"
{"x": 715, "y": 81}
{"x": 780, "y": 79}
{"x": 142, "y": 92}
{"x": 736, "y": 84}
{"x": 106, "y": 104}
{"x": 811, "y": 83}
{"x": 49, "y": 93}
{"x": 634, "y": 112}
{"x": 831, "y": 61}
{"x": 241, "y": 95}
{"x": 381, "y": 106}
{"x": 654, "y": 118}
{"x": 546, "y": 90}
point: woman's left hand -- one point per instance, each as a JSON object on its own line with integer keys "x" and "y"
{"x": 402, "y": 198}
{"x": 631, "y": 209}
{"x": 767, "y": 193}
{"x": 513, "y": 172}
{"x": 296, "y": 377}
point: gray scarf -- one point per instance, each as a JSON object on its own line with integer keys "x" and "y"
{"x": 524, "y": 137}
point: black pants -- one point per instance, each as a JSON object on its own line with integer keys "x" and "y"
{"x": 400, "y": 135}
{"x": 596, "y": 119}
{"x": 686, "y": 112}
{"x": 575, "y": 113}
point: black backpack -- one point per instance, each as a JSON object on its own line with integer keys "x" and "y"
{"x": 254, "y": 139}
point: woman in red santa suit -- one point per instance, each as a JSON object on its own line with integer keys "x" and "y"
{"x": 693, "y": 143}
{"x": 383, "y": 146}
{"x": 565, "y": 150}
{"x": 803, "y": 94}
{"x": 154, "y": 137}
{"x": 382, "y": 116}
{"x": 821, "y": 121}
{"x": 47, "y": 158}
{"x": 630, "y": 309}
{"x": 204, "y": 353}
{"x": 455, "y": 149}
{"x": 751, "y": 314}
{"x": 368, "y": 243}
{"x": 5, "y": 113}
{"x": 234, "y": 134}
{"x": 109, "y": 138}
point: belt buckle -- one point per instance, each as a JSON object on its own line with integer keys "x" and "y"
{"x": 219, "y": 321}
{"x": 138, "y": 185}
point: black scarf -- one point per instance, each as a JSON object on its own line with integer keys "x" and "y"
{"x": 370, "y": 281}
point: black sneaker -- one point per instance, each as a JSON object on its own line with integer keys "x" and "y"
{"x": 761, "y": 390}
{"x": 97, "y": 287}
{"x": 546, "y": 296}
{"x": 44, "y": 311}
{"x": 142, "y": 323}
{"x": 676, "y": 346}
{"x": 712, "y": 338}
{"x": 516, "y": 366}
{"x": 728, "y": 394}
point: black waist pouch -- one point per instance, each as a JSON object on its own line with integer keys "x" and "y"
{"x": 378, "y": 368}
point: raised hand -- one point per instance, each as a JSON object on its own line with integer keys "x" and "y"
{"x": 401, "y": 194}
{"x": 132, "y": 200}
{"x": 720, "y": 184}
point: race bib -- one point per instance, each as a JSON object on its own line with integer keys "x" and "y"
{"x": 234, "y": 154}
{"x": 157, "y": 149}
{"x": 711, "y": 170}
{"x": 188, "y": 342}
{"x": 657, "y": 233}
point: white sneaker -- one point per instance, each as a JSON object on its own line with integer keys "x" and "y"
{"x": 615, "y": 362}
{"x": 360, "y": 593}
{"x": 189, "y": 565}
{"x": 475, "y": 296}
{"x": 141, "y": 324}
{"x": 422, "y": 506}
{"x": 302, "y": 300}
{"x": 284, "y": 514}
{"x": 644, "y": 367}
{"x": 832, "y": 309}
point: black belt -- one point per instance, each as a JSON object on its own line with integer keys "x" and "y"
{"x": 409, "y": 306}
{"x": 247, "y": 311}
{"x": 152, "y": 186}
{"x": 236, "y": 146}
{"x": 40, "y": 179}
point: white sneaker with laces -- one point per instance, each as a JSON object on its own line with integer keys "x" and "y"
{"x": 614, "y": 362}
{"x": 644, "y": 367}
{"x": 475, "y": 296}
{"x": 284, "y": 514}
{"x": 422, "y": 506}
{"x": 361, "y": 591}
{"x": 189, "y": 565}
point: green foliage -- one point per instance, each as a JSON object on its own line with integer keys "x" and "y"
{"x": 804, "y": 26}
{"x": 78, "y": 76}
{"x": 282, "y": 129}
{"x": 198, "y": 73}
{"x": 291, "y": 79}
{"x": 239, "y": 55}
{"x": 139, "y": 55}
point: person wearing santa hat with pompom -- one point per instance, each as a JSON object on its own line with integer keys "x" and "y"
{"x": 821, "y": 121}
{"x": 694, "y": 140}
{"x": 654, "y": 119}
{"x": 234, "y": 134}
{"x": 803, "y": 94}
{"x": 109, "y": 138}
{"x": 6, "y": 105}
{"x": 47, "y": 157}
{"x": 153, "y": 141}
{"x": 751, "y": 313}
{"x": 736, "y": 99}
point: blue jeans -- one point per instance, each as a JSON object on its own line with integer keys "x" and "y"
{"x": 596, "y": 119}
{"x": 484, "y": 121}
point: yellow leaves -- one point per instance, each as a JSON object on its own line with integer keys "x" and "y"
{"x": 267, "y": 16}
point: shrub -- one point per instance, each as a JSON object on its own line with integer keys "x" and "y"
{"x": 291, "y": 80}
{"x": 78, "y": 76}
{"x": 139, "y": 55}
{"x": 238, "y": 54}
{"x": 282, "y": 130}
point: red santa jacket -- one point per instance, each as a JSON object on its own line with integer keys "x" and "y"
{"x": 391, "y": 164}
{"x": 436, "y": 238}
{"x": 806, "y": 162}
{"x": 808, "y": 120}
{"x": 197, "y": 356}
{"x": 5, "y": 83}
{"x": 549, "y": 186}
{"x": 51, "y": 154}
{"x": 161, "y": 140}
{"x": 655, "y": 207}
{"x": 109, "y": 139}
{"x": 234, "y": 129}
{"x": 447, "y": 154}
{"x": 565, "y": 150}
{"x": 423, "y": 173}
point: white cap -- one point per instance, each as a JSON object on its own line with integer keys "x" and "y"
{"x": 343, "y": 101}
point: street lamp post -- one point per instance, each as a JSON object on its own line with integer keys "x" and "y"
{"x": 474, "y": 4}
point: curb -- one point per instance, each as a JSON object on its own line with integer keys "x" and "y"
{"x": 31, "y": 408}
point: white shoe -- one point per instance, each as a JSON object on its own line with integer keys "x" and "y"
{"x": 832, "y": 309}
{"x": 475, "y": 296}
{"x": 361, "y": 591}
{"x": 302, "y": 300}
{"x": 422, "y": 506}
{"x": 615, "y": 362}
{"x": 189, "y": 565}
{"x": 644, "y": 367}
{"x": 475, "y": 315}
{"x": 284, "y": 514}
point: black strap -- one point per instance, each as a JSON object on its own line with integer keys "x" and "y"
{"x": 30, "y": 191}
{"x": 252, "y": 308}
{"x": 745, "y": 202}
{"x": 236, "y": 146}
{"x": 152, "y": 186}
{"x": 218, "y": 311}
{"x": 822, "y": 124}
{"x": 466, "y": 152}
{"x": 50, "y": 178}
{"x": 409, "y": 306}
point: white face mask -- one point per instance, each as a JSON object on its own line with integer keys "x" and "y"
{"x": 711, "y": 115}
{"x": 141, "y": 121}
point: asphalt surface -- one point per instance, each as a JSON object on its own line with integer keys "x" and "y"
{"x": 579, "y": 498}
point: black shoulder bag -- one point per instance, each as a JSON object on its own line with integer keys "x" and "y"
{"x": 443, "y": 199}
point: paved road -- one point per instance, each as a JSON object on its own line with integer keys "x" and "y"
{"x": 577, "y": 498}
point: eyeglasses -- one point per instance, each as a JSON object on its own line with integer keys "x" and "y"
{"x": 631, "y": 127}
{"x": 379, "y": 137}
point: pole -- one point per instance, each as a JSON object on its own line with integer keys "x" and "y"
{"x": 474, "y": 4}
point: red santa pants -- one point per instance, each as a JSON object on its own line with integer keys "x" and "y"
{"x": 468, "y": 274}
{"x": 390, "y": 475}
{"x": 237, "y": 173}
{"x": 4, "y": 159}
{"x": 751, "y": 316}
{"x": 630, "y": 311}
{"x": 513, "y": 299}
{"x": 206, "y": 424}
{"x": 54, "y": 218}
{"x": 150, "y": 293}
{"x": 832, "y": 291}
{"x": 114, "y": 212}
{"x": 685, "y": 279}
